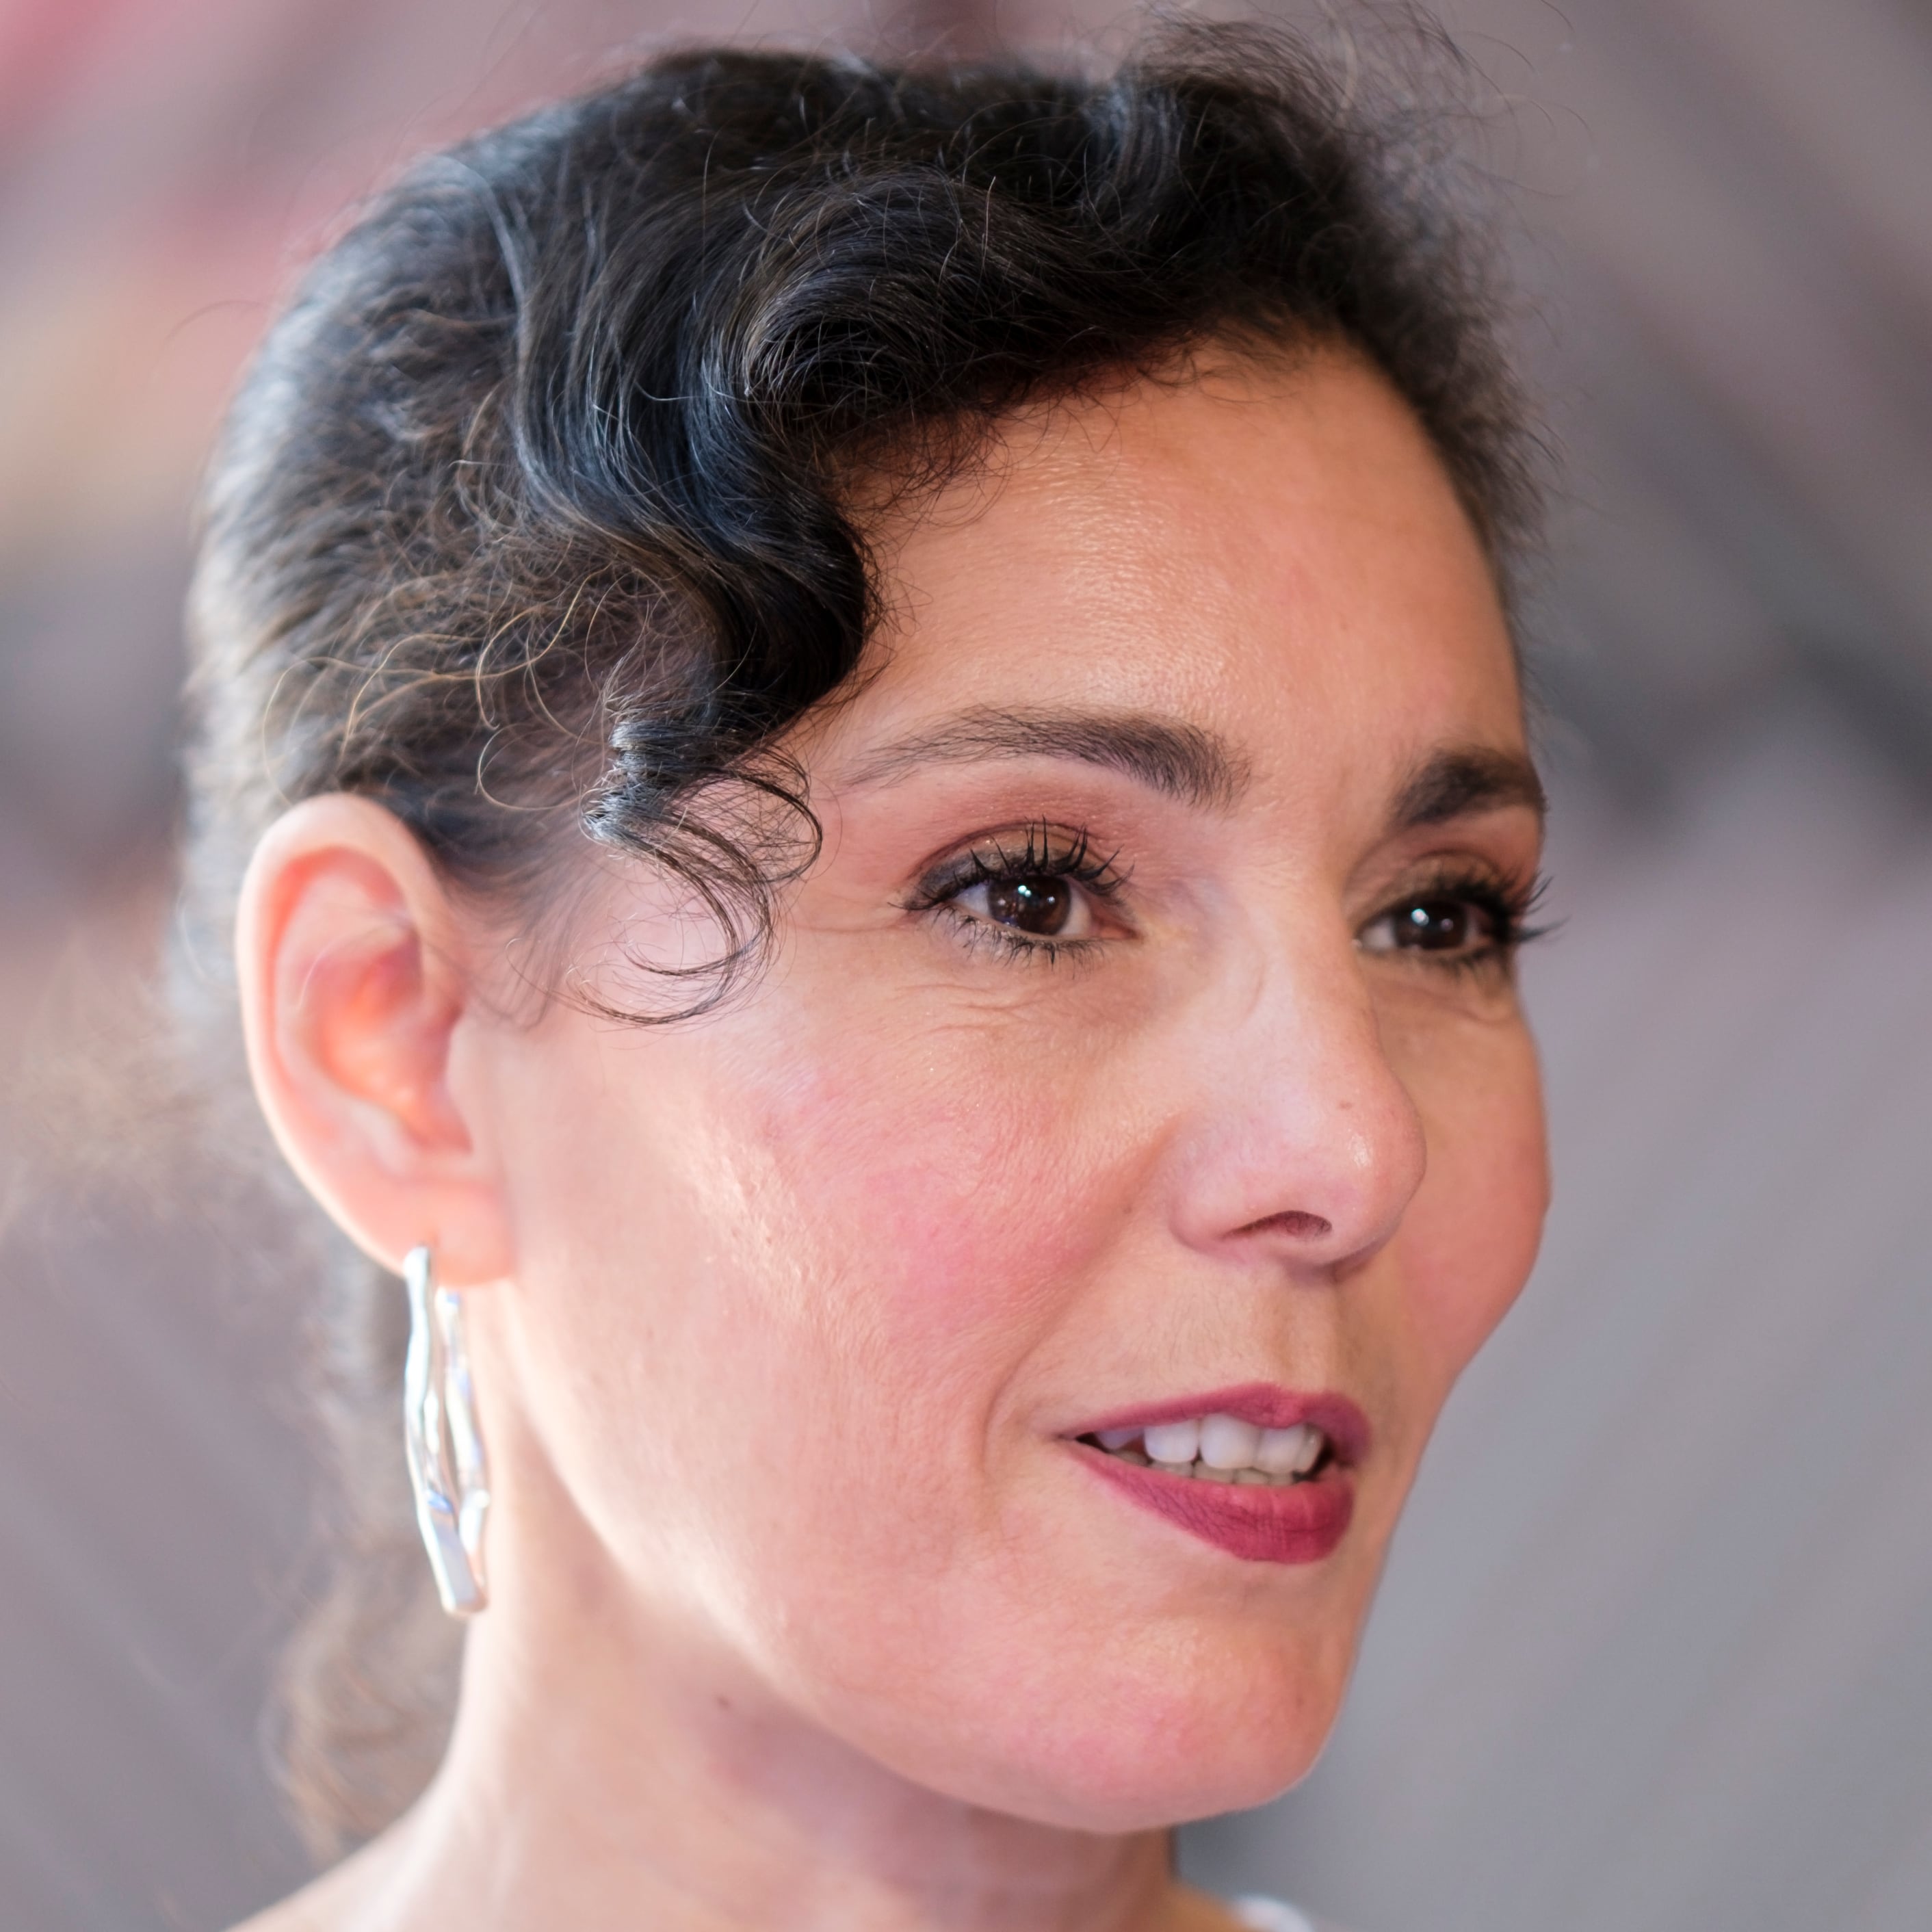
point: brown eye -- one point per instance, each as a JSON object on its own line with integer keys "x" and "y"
{"x": 1438, "y": 925}
{"x": 1442, "y": 923}
{"x": 1032, "y": 889}
{"x": 1030, "y": 905}
{"x": 1039, "y": 906}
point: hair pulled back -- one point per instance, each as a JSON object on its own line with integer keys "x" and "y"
{"x": 535, "y": 520}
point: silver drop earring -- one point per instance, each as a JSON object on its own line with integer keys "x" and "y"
{"x": 448, "y": 1469}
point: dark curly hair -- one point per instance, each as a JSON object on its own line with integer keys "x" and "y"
{"x": 538, "y": 517}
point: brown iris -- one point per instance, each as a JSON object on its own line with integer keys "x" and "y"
{"x": 1037, "y": 905}
{"x": 1437, "y": 925}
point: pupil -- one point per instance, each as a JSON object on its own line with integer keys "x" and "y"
{"x": 1036, "y": 905}
{"x": 1436, "y": 926}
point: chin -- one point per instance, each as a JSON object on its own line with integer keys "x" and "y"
{"x": 1226, "y": 1762}
{"x": 1144, "y": 1757}
{"x": 1133, "y": 1788}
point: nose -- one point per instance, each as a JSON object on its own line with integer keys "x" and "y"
{"x": 1302, "y": 1145}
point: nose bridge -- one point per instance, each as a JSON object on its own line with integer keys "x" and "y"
{"x": 1306, "y": 1139}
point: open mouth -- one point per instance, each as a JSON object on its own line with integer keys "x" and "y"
{"x": 1262, "y": 1472}
{"x": 1221, "y": 1449}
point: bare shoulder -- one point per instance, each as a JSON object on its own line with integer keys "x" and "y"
{"x": 338, "y": 1901}
{"x": 1202, "y": 1912}
{"x": 291, "y": 1915}
{"x": 1254, "y": 1913}
{"x": 299, "y": 1913}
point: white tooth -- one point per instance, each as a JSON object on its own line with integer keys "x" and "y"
{"x": 1226, "y": 1444}
{"x": 1115, "y": 1438}
{"x": 1173, "y": 1441}
{"x": 1174, "y": 1469}
{"x": 1281, "y": 1449}
{"x": 1312, "y": 1453}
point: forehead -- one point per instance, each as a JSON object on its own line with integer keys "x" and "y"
{"x": 1271, "y": 552}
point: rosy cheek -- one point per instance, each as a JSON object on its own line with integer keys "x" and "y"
{"x": 935, "y": 1210}
{"x": 1473, "y": 1232}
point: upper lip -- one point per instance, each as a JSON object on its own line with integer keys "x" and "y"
{"x": 1266, "y": 1404}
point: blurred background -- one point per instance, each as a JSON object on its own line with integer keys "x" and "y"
{"x": 1655, "y": 1650}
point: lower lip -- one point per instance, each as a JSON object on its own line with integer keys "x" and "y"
{"x": 1303, "y": 1523}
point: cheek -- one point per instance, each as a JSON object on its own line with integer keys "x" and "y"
{"x": 950, "y": 1190}
{"x": 1472, "y": 1233}
{"x": 811, "y": 1242}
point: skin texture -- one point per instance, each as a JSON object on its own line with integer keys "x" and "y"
{"x": 806, "y": 1611}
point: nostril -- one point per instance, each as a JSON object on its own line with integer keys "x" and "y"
{"x": 1293, "y": 1221}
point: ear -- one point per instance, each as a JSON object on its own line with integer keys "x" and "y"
{"x": 357, "y": 1004}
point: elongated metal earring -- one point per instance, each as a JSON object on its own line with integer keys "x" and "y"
{"x": 448, "y": 1469}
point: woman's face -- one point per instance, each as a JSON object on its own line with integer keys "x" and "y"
{"x": 1142, "y": 1049}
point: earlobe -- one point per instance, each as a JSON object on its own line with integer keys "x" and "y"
{"x": 355, "y": 985}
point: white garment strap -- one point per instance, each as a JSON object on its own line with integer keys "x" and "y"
{"x": 1268, "y": 1915}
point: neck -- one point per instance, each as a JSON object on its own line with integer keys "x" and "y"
{"x": 614, "y": 1769}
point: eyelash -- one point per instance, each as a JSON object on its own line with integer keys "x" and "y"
{"x": 1505, "y": 903}
{"x": 1052, "y": 852}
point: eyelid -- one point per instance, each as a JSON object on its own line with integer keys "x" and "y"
{"x": 1038, "y": 848}
{"x": 1508, "y": 897}
{"x": 1441, "y": 873}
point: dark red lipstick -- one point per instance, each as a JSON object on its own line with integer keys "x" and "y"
{"x": 1303, "y": 1522}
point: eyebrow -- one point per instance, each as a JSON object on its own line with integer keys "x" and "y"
{"x": 1186, "y": 762}
{"x": 1182, "y": 760}
{"x": 1468, "y": 778}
